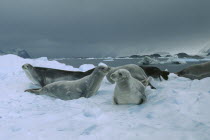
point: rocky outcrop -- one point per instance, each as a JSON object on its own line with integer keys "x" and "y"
{"x": 2, "y": 53}
{"x": 184, "y": 55}
{"x": 135, "y": 56}
{"x": 155, "y": 55}
{"x": 19, "y": 52}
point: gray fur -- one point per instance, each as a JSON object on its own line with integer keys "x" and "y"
{"x": 135, "y": 71}
{"x": 128, "y": 90}
{"x": 68, "y": 90}
{"x": 43, "y": 76}
{"x": 198, "y": 71}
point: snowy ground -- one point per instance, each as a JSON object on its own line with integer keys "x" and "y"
{"x": 177, "y": 110}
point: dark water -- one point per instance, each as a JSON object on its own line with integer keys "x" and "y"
{"x": 118, "y": 62}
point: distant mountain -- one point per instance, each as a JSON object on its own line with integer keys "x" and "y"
{"x": 168, "y": 55}
{"x": 135, "y": 56}
{"x": 155, "y": 55}
{"x": 184, "y": 55}
{"x": 2, "y": 53}
{"x": 205, "y": 50}
{"x": 163, "y": 53}
{"x": 19, "y": 52}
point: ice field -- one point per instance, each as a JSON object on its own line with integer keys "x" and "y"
{"x": 177, "y": 110}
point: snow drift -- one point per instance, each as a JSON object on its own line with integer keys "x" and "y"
{"x": 177, "y": 110}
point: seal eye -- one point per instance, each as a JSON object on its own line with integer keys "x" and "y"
{"x": 102, "y": 68}
{"x": 120, "y": 74}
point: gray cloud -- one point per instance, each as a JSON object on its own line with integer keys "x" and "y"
{"x": 103, "y": 27}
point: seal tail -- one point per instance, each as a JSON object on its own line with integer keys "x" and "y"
{"x": 148, "y": 80}
{"x": 36, "y": 90}
{"x": 180, "y": 73}
{"x": 165, "y": 74}
{"x": 176, "y": 73}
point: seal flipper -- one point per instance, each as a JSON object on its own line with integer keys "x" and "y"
{"x": 165, "y": 74}
{"x": 115, "y": 101}
{"x": 160, "y": 78}
{"x": 148, "y": 82}
{"x": 152, "y": 87}
{"x": 141, "y": 101}
{"x": 35, "y": 90}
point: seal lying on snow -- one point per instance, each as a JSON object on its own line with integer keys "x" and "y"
{"x": 135, "y": 71}
{"x": 197, "y": 71}
{"x": 67, "y": 90}
{"x": 128, "y": 90}
{"x": 155, "y": 72}
{"x": 43, "y": 76}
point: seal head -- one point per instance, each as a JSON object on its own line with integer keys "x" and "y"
{"x": 120, "y": 75}
{"x": 32, "y": 74}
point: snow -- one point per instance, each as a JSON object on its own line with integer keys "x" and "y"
{"x": 148, "y": 60}
{"x": 86, "y": 67}
{"x": 175, "y": 58}
{"x": 90, "y": 58}
{"x": 176, "y": 110}
{"x": 108, "y": 59}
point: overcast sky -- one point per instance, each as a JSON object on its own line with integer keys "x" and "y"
{"x": 95, "y": 28}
